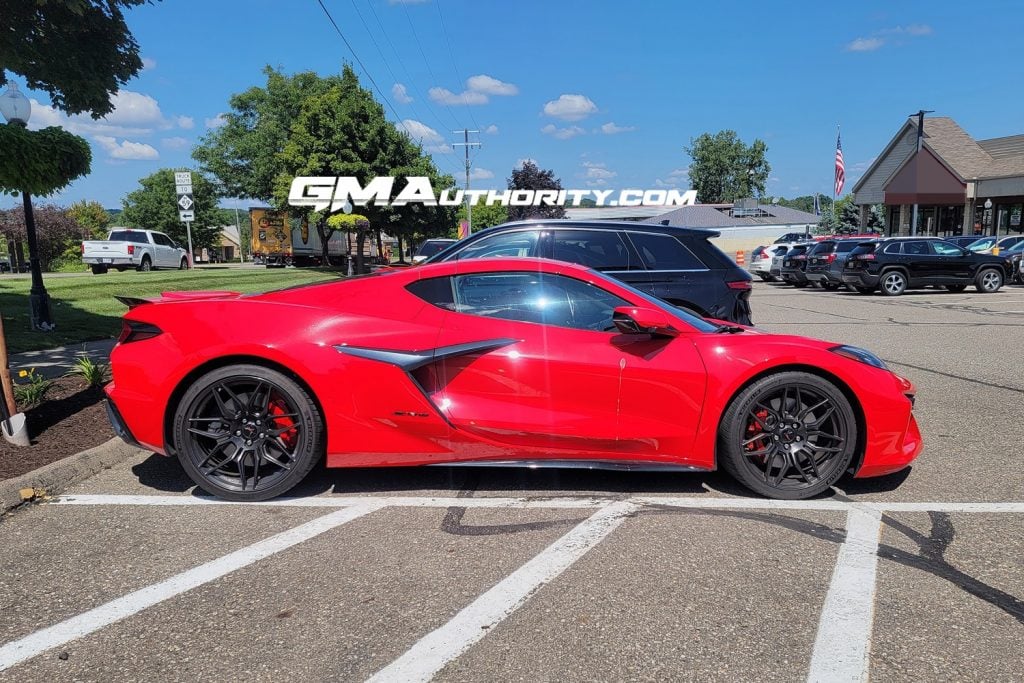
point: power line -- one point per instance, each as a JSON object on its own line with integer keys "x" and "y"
{"x": 469, "y": 204}
{"x": 426, "y": 62}
{"x": 451, "y": 54}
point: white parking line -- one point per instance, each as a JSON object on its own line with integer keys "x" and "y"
{"x": 437, "y": 648}
{"x": 76, "y": 627}
{"x": 843, "y": 643}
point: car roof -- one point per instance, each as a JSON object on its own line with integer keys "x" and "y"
{"x": 499, "y": 264}
{"x": 604, "y": 225}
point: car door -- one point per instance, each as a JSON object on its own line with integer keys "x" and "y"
{"x": 558, "y": 380}
{"x": 919, "y": 261}
{"x": 162, "y": 256}
{"x": 676, "y": 274}
{"x": 951, "y": 264}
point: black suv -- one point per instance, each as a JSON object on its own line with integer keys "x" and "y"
{"x": 896, "y": 264}
{"x": 678, "y": 265}
{"x": 826, "y": 260}
{"x": 794, "y": 264}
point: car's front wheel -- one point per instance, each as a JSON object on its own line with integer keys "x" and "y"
{"x": 247, "y": 433}
{"x": 989, "y": 281}
{"x": 790, "y": 435}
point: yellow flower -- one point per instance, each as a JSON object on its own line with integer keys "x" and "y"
{"x": 23, "y": 373}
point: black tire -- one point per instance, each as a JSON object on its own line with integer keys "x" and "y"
{"x": 863, "y": 290}
{"x": 765, "y": 278}
{"x": 257, "y": 465}
{"x": 989, "y": 281}
{"x": 956, "y": 289}
{"x": 893, "y": 283}
{"x": 789, "y": 462}
{"x": 145, "y": 266}
{"x": 184, "y": 264}
{"x": 98, "y": 270}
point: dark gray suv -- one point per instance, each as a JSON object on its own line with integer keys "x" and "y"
{"x": 678, "y": 265}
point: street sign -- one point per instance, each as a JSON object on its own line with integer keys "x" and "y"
{"x": 183, "y": 189}
{"x": 185, "y": 202}
{"x": 183, "y": 178}
{"x": 186, "y": 216}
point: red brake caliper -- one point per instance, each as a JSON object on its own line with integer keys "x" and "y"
{"x": 754, "y": 428}
{"x": 276, "y": 407}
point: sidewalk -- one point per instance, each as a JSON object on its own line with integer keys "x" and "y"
{"x": 51, "y": 363}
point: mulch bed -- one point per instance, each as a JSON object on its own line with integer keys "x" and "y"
{"x": 70, "y": 420}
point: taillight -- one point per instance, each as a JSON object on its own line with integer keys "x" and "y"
{"x": 83, "y": 247}
{"x": 865, "y": 257}
{"x": 133, "y": 331}
{"x": 799, "y": 258}
{"x": 743, "y": 285}
{"x": 830, "y": 258}
{"x": 131, "y": 249}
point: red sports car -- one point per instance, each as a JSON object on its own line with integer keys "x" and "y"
{"x": 493, "y": 361}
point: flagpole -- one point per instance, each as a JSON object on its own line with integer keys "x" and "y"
{"x": 838, "y": 138}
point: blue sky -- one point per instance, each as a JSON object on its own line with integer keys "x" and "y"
{"x": 605, "y": 93}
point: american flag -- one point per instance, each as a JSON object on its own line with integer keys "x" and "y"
{"x": 840, "y": 166}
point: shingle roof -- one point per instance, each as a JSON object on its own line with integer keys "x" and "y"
{"x": 717, "y": 216}
{"x": 958, "y": 149}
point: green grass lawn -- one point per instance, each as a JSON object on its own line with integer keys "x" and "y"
{"x": 84, "y": 308}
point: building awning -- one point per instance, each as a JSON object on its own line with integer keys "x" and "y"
{"x": 925, "y": 180}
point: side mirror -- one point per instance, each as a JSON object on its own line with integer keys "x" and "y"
{"x": 639, "y": 320}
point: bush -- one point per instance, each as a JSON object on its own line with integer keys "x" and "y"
{"x": 33, "y": 391}
{"x": 68, "y": 264}
{"x": 94, "y": 374}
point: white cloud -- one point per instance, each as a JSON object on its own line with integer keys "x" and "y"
{"x": 174, "y": 143}
{"x": 570, "y": 107}
{"x": 489, "y": 85}
{"x": 562, "y": 133}
{"x": 491, "y": 129}
{"x": 677, "y": 172}
{"x": 400, "y": 94}
{"x": 446, "y": 96}
{"x": 133, "y": 114}
{"x": 864, "y": 45}
{"x": 480, "y": 174}
{"x": 597, "y": 174}
{"x": 478, "y": 90}
{"x": 185, "y": 122}
{"x": 216, "y": 122}
{"x": 126, "y": 149}
{"x": 148, "y": 63}
{"x": 611, "y": 129}
{"x": 423, "y": 134}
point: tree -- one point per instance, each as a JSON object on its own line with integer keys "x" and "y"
{"x": 41, "y": 162}
{"x": 91, "y": 216}
{"x": 485, "y": 215}
{"x": 153, "y": 207}
{"x": 55, "y": 228}
{"x": 531, "y": 177}
{"x": 724, "y": 169}
{"x": 78, "y": 51}
{"x": 243, "y": 153}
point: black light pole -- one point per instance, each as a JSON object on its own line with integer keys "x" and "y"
{"x": 16, "y": 108}
{"x": 920, "y": 138}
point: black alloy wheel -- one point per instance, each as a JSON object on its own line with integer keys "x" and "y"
{"x": 247, "y": 433}
{"x": 790, "y": 435}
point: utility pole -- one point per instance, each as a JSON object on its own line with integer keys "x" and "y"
{"x": 467, "y": 144}
{"x": 920, "y": 138}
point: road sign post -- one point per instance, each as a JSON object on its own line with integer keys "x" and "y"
{"x": 186, "y": 205}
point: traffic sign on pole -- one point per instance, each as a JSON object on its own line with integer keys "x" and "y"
{"x": 186, "y": 205}
{"x": 186, "y": 216}
{"x": 183, "y": 178}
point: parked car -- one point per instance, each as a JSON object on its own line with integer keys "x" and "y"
{"x": 126, "y": 248}
{"x": 761, "y": 260}
{"x": 679, "y": 265}
{"x": 1016, "y": 256}
{"x": 987, "y": 245}
{"x": 527, "y": 362}
{"x": 826, "y": 260}
{"x": 794, "y": 265}
{"x": 790, "y": 237}
{"x": 896, "y": 264}
{"x": 431, "y": 247}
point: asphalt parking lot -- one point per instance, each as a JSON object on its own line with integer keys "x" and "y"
{"x": 479, "y": 575}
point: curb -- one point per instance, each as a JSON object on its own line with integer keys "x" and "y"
{"x": 56, "y": 477}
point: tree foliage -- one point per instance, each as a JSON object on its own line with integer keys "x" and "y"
{"x": 40, "y": 162}
{"x": 78, "y": 51}
{"x": 56, "y": 229}
{"x": 153, "y": 207}
{"x": 91, "y": 216}
{"x": 531, "y": 177}
{"x": 484, "y": 215}
{"x": 723, "y": 168}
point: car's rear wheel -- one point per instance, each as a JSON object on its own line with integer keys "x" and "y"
{"x": 989, "y": 281}
{"x": 893, "y": 283}
{"x": 145, "y": 266}
{"x": 98, "y": 270}
{"x": 247, "y": 433}
{"x": 183, "y": 265}
{"x": 790, "y": 435}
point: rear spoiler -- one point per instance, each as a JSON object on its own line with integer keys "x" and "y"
{"x": 133, "y": 301}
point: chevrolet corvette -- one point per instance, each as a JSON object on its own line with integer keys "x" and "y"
{"x": 509, "y": 361}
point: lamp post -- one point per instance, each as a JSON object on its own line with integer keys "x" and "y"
{"x": 988, "y": 217}
{"x": 16, "y": 109}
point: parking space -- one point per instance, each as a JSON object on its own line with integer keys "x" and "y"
{"x": 458, "y": 574}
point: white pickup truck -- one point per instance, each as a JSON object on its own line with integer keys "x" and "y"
{"x": 139, "y": 249}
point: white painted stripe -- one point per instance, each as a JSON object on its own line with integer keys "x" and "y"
{"x": 82, "y": 625}
{"x": 550, "y": 503}
{"x": 843, "y": 643}
{"x": 439, "y": 647}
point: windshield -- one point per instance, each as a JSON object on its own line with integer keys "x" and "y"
{"x": 982, "y": 244}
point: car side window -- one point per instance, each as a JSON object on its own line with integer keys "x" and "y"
{"x": 518, "y": 243}
{"x": 602, "y": 250}
{"x": 537, "y": 298}
{"x": 915, "y": 248}
{"x": 162, "y": 240}
{"x": 944, "y": 249}
{"x": 664, "y": 252}
{"x": 893, "y": 248}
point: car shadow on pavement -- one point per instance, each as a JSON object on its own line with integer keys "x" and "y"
{"x": 162, "y": 473}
